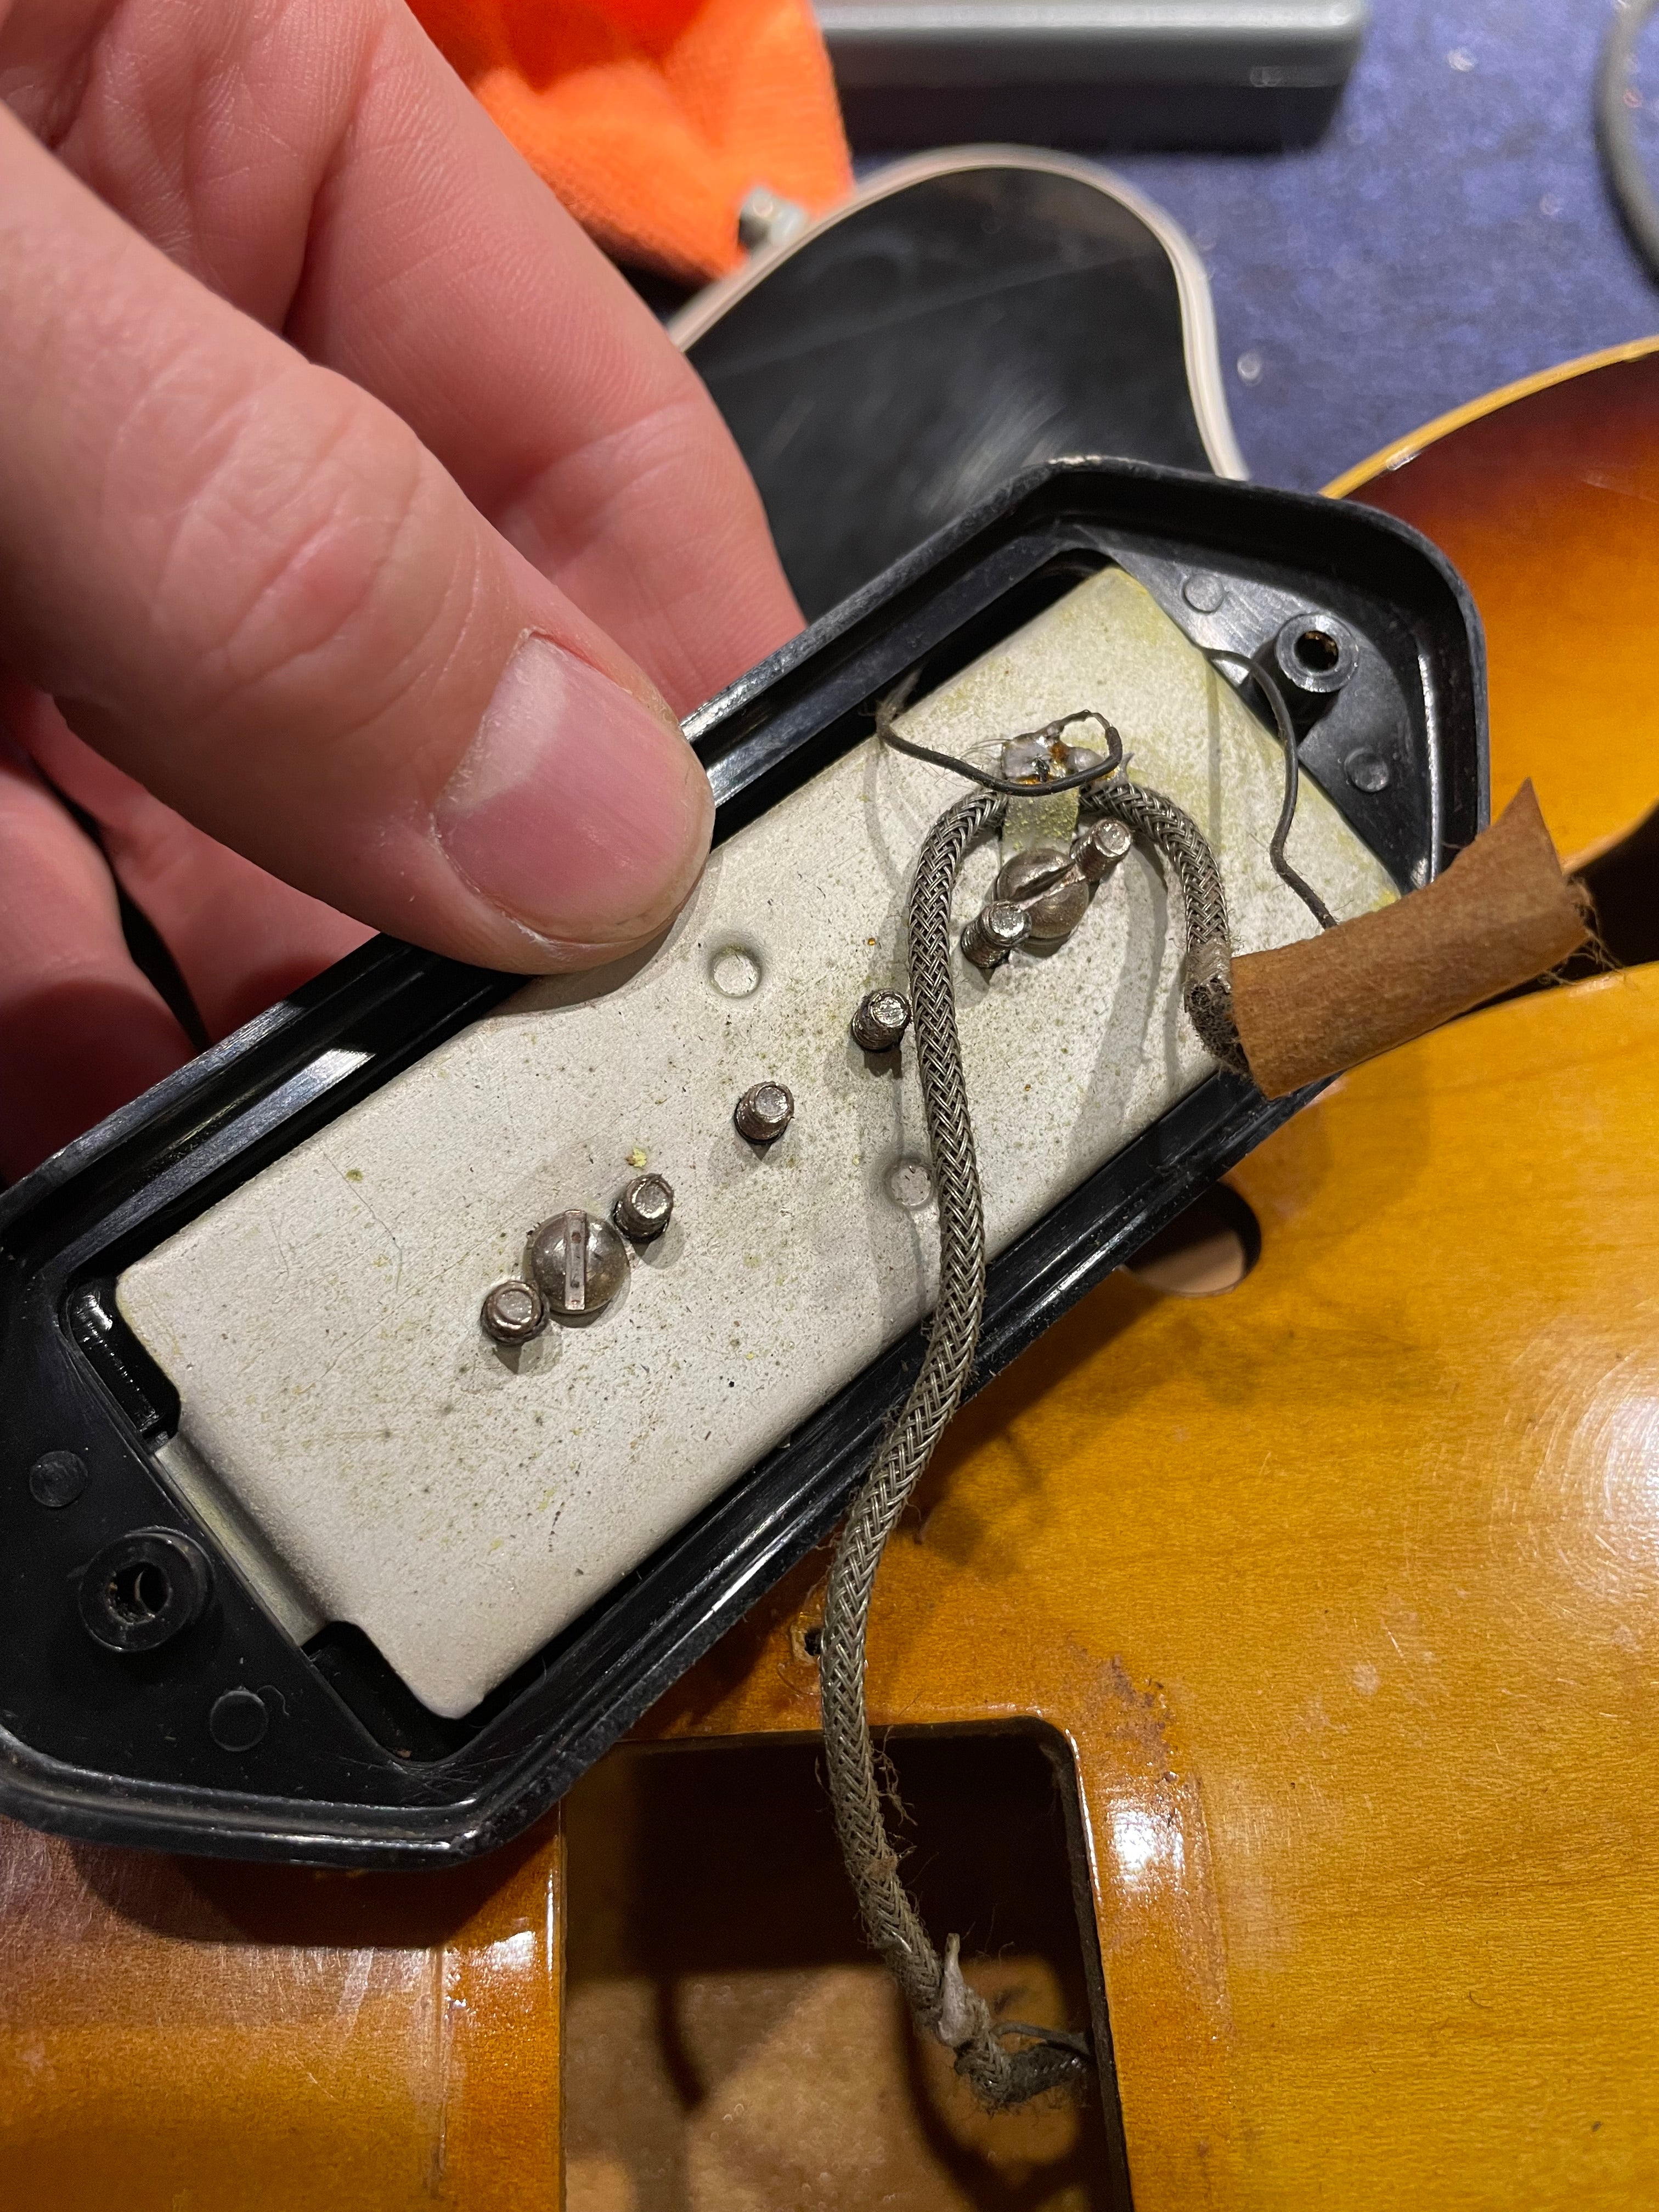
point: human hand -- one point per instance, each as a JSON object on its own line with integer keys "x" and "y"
{"x": 359, "y": 521}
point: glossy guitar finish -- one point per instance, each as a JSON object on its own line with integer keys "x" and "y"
{"x": 1343, "y": 1587}
{"x": 189, "y": 2036}
{"x": 1545, "y": 498}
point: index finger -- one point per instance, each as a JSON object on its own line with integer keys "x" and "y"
{"x": 319, "y": 164}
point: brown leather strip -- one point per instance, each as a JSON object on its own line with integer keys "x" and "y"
{"x": 1502, "y": 914}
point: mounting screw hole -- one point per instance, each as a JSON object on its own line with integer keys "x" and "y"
{"x": 1318, "y": 651}
{"x": 143, "y": 1589}
{"x": 138, "y": 1593}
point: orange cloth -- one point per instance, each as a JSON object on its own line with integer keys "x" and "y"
{"x": 653, "y": 119}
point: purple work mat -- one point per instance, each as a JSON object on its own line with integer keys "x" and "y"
{"x": 1450, "y": 233}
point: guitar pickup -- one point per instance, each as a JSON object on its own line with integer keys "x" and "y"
{"x": 455, "y": 1356}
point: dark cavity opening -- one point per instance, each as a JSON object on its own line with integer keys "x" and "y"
{"x": 1317, "y": 651}
{"x": 138, "y": 1593}
{"x": 1209, "y": 1248}
{"x": 730, "y": 2037}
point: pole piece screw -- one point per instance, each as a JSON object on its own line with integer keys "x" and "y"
{"x": 994, "y": 933}
{"x": 513, "y": 1312}
{"x": 645, "y": 1207}
{"x": 764, "y": 1113}
{"x": 882, "y": 1018}
{"x": 1100, "y": 848}
{"x": 580, "y": 1263}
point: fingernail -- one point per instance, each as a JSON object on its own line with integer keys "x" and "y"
{"x": 575, "y": 809}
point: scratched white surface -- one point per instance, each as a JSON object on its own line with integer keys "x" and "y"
{"x": 462, "y": 1505}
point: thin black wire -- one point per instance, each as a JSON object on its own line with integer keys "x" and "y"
{"x": 1275, "y": 699}
{"x": 895, "y": 700}
{"x": 1014, "y": 787}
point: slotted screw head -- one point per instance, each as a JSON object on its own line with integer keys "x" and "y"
{"x": 1057, "y": 913}
{"x": 1037, "y": 869}
{"x": 995, "y": 932}
{"x": 1045, "y": 881}
{"x": 513, "y": 1312}
{"x": 764, "y": 1113}
{"x": 882, "y": 1018}
{"x": 580, "y": 1264}
{"x": 1099, "y": 849}
{"x": 644, "y": 1209}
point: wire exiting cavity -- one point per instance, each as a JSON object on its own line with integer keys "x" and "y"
{"x": 1281, "y": 714}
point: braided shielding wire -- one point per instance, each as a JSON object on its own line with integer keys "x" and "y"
{"x": 934, "y": 1988}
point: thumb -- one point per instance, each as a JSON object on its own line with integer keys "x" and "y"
{"x": 249, "y": 584}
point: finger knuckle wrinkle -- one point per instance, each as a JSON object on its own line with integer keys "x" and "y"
{"x": 576, "y": 500}
{"x": 328, "y": 575}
